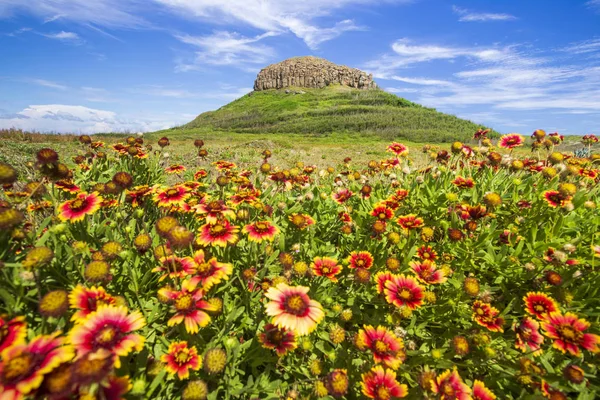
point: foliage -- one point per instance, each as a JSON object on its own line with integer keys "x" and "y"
{"x": 469, "y": 231}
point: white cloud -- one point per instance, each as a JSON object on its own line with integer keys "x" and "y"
{"x": 79, "y": 119}
{"x": 49, "y": 84}
{"x": 584, "y": 47}
{"x": 18, "y": 32}
{"x": 406, "y": 54}
{"x": 52, "y": 18}
{"x": 421, "y": 81}
{"x": 496, "y": 77}
{"x": 470, "y": 16}
{"x": 71, "y": 37}
{"x": 226, "y": 48}
{"x": 594, "y": 5}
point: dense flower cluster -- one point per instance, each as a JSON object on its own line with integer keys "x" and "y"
{"x": 468, "y": 273}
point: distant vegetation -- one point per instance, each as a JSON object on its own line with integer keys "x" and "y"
{"x": 335, "y": 109}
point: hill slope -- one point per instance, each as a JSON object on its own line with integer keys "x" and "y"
{"x": 334, "y": 109}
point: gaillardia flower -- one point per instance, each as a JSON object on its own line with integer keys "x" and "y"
{"x": 210, "y": 272}
{"x": 214, "y": 210}
{"x": 539, "y": 304}
{"x": 567, "y": 331}
{"x": 327, "y": 267}
{"x": 403, "y": 291}
{"x": 360, "y": 259}
{"x": 218, "y": 234}
{"x": 480, "y": 392}
{"x": 180, "y": 359}
{"x": 260, "y": 231}
{"x": 528, "y": 335}
{"x": 450, "y": 386}
{"x": 398, "y": 149}
{"x": 175, "y": 267}
{"x": 380, "y": 384}
{"x": 109, "y": 330}
{"x": 511, "y": 141}
{"x": 292, "y": 309}
{"x": 279, "y": 339}
{"x": 189, "y": 305}
{"x": 76, "y": 209}
{"x": 87, "y": 300}
{"x": 12, "y": 332}
{"x": 427, "y": 272}
{"x": 386, "y": 347}
{"x": 301, "y": 221}
{"x": 487, "y": 316}
{"x": 173, "y": 196}
{"x": 410, "y": 221}
{"x": 23, "y": 366}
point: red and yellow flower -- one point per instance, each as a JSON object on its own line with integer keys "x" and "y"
{"x": 427, "y": 253}
{"x": 292, "y": 309}
{"x": 386, "y": 347}
{"x": 341, "y": 196}
{"x": 511, "y": 141}
{"x": 480, "y": 392}
{"x": 360, "y": 259}
{"x": 382, "y": 212}
{"x": 568, "y": 333}
{"x": 556, "y": 199}
{"x": 87, "y": 300}
{"x": 301, "y": 221}
{"x": 214, "y": 210}
{"x": 450, "y": 386}
{"x": 175, "y": 169}
{"x": 410, "y": 221}
{"x": 82, "y": 205}
{"x": 487, "y": 316}
{"x": 12, "y": 332}
{"x": 180, "y": 359}
{"x": 189, "y": 305}
{"x": 174, "y": 267}
{"x": 67, "y": 186}
{"x": 23, "y": 366}
{"x": 109, "y": 330}
{"x": 327, "y": 267}
{"x": 381, "y": 278}
{"x": 539, "y": 304}
{"x": 279, "y": 339}
{"x": 528, "y": 335}
{"x": 211, "y": 272}
{"x": 398, "y": 149}
{"x": 463, "y": 183}
{"x": 260, "y": 231}
{"x": 171, "y": 196}
{"x": 381, "y": 384}
{"x": 218, "y": 234}
{"x": 403, "y": 290}
{"x": 427, "y": 272}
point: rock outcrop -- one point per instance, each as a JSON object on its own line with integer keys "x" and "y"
{"x": 311, "y": 72}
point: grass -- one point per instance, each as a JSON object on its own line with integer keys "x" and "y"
{"x": 335, "y": 109}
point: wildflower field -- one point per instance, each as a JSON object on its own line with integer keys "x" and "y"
{"x": 472, "y": 276}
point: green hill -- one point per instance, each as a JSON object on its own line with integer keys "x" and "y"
{"x": 334, "y": 109}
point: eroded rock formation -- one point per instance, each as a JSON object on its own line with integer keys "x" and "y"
{"x": 311, "y": 72}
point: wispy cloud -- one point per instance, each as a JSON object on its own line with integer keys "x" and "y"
{"x": 583, "y": 47}
{"x": 48, "y": 84}
{"x": 226, "y": 48}
{"x": 471, "y": 16}
{"x": 498, "y": 77}
{"x": 53, "y": 18}
{"x": 18, "y": 31}
{"x": 594, "y": 5}
{"x": 70, "y": 37}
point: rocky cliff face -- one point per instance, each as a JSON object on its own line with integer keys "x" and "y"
{"x": 311, "y": 72}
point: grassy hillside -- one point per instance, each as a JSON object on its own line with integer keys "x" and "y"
{"x": 335, "y": 109}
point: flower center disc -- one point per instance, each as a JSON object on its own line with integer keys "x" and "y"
{"x": 296, "y": 305}
{"x": 106, "y": 335}
{"x": 261, "y": 227}
{"x": 184, "y": 303}
{"x": 381, "y": 347}
{"x": 405, "y": 294}
{"x": 17, "y": 367}
{"x": 182, "y": 357}
{"x": 172, "y": 192}
{"x": 77, "y": 204}
{"x": 569, "y": 334}
{"x": 217, "y": 229}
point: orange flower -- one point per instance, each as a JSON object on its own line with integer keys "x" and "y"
{"x": 539, "y": 304}
{"x": 410, "y": 221}
{"x": 76, "y": 209}
{"x": 380, "y": 384}
{"x": 386, "y": 347}
{"x": 403, "y": 291}
{"x": 568, "y": 333}
{"x": 260, "y": 231}
{"x": 326, "y": 266}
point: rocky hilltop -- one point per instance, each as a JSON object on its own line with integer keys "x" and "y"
{"x": 311, "y": 72}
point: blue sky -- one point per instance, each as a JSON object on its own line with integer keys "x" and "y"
{"x": 141, "y": 65}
